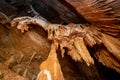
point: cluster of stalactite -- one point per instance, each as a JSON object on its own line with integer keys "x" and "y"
{"x": 73, "y": 39}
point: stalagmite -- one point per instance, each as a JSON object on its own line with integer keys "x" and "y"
{"x": 50, "y": 68}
